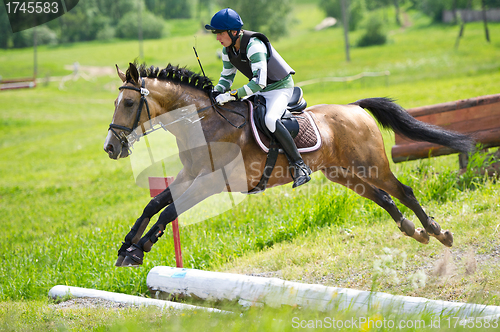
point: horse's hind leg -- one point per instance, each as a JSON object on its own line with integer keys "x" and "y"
{"x": 346, "y": 178}
{"x": 386, "y": 180}
{"x": 155, "y": 205}
{"x": 431, "y": 226}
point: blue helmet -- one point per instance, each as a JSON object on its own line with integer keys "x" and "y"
{"x": 224, "y": 20}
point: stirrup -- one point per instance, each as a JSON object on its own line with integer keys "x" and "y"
{"x": 300, "y": 173}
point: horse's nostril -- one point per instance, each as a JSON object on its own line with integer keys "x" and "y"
{"x": 109, "y": 148}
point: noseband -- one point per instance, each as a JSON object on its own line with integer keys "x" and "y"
{"x": 122, "y": 137}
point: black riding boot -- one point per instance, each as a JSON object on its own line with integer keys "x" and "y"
{"x": 300, "y": 170}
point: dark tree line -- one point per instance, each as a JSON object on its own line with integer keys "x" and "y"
{"x": 100, "y": 19}
{"x": 107, "y": 19}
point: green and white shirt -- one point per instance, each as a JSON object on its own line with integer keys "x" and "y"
{"x": 258, "y": 56}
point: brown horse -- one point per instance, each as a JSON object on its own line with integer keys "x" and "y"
{"x": 352, "y": 151}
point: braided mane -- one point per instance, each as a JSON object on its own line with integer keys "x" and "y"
{"x": 176, "y": 74}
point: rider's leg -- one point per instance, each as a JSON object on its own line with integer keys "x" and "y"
{"x": 276, "y": 103}
{"x": 300, "y": 170}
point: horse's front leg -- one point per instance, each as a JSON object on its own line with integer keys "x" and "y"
{"x": 154, "y": 206}
{"x": 202, "y": 187}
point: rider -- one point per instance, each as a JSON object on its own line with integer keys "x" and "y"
{"x": 269, "y": 76}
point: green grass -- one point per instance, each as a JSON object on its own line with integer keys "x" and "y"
{"x": 44, "y": 317}
{"x": 65, "y": 206}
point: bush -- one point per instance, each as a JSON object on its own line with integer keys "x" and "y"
{"x": 44, "y": 36}
{"x": 374, "y": 34}
{"x": 106, "y": 33}
{"x": 434, "y": 8}
{"x": 128, "y": 26}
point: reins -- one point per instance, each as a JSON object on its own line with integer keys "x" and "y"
{"x": 215, "y": 106}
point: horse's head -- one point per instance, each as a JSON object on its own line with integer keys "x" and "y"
{"x": 172, "y": 98}
{"x": 132, "y": 110}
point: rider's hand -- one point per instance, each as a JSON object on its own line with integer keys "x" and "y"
{"x": 224, "y": 98}
{"x": 216, "y": 92}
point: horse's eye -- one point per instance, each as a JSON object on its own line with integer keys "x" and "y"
{"x": 129, "y": 102}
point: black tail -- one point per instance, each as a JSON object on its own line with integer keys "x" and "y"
{"x": 392, "y": 116}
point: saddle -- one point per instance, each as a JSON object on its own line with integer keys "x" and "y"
{"x": 299, "y": 123}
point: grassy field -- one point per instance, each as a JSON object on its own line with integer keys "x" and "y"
{"x": 65, "y": 206}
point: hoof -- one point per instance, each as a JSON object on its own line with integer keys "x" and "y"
{"x": 421, "y": 236}
{"x": 134, "y": 256}
{"x": 434, "y": 228}
{"x": 128, "y": 262}
{"x": 407, "y": 227}
{"x": 445, "y": 237}
{"x": 121, "y": 253}
{"x": 119, "y": 260}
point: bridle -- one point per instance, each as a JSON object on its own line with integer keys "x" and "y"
{"x": 122, "y": 137}
{"x": 127, "y": 139}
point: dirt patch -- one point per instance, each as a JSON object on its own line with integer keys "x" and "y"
{"x": 271, "y": 274}
{"x": 91, "y": 303}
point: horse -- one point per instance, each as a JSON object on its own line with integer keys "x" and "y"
{"x": 351, "y": 144}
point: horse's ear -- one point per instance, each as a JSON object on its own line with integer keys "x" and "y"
{"x": 134, "y": 74}
{"x": 121, "y": 74}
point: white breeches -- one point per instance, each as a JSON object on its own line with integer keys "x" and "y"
{"x": 276, "y": 103}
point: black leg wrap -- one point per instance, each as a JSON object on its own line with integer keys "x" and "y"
{"x": 134, "y": 256}
{"x": 154, "y": 206}
{"x": 132, "y": 237}
{"x": 136, "y": 231}
{"x": 135, "y": 253}
{"x": 124, "y": 247}
{"x": 151, "y": 237}
{"x": 157, "y": 203}
{"x": 131, "y": 253}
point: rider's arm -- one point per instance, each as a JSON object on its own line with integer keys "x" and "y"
{"x": 257, "y": 54}
{"x": 227, "y": 75}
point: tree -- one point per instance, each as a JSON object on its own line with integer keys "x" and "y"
{"x": 152, "y": 26}
{"x": 6, "y": 33}
{"x": 271, "y": 17}
{"x": 435, "y": 8}
{"x": 492, "y": 3}
{"x": 170, "y": 8}
{"x": 115, "y": 9}
{"x": 356, "y": 11}
{"x": 89, "y": 20}
{"x": 374, "y": 4}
